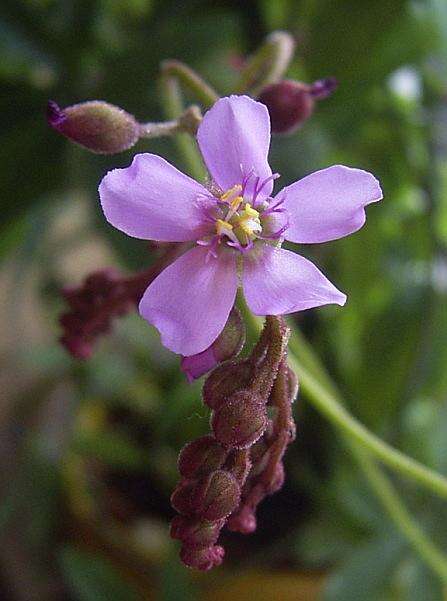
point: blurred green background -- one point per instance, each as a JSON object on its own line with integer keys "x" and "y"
{"x": 88, "y": 449}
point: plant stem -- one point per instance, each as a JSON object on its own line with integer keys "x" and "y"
{"x": 268, "y": 64}
{"x": 327, "y": 402}
{"x": 404, "y": 521}
{"x": 191, "y": 80}
{"x": 173, "y": 107}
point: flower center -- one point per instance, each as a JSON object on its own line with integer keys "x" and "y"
{"x": 241, "y": 222}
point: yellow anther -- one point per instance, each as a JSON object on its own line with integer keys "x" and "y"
{"x": 234, "y": 204}
{"x": 249, "y": 210}
{"x": 234, "y": 190}
{"x": 223, "y": 226}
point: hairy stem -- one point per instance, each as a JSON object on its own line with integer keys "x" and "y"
{"x": 173, "y": 106}
{"x": 191, "y": 80}
{"x": 268, "y": 64}
{"x": 328, "y": 403}
{"x": 403, "y": 520}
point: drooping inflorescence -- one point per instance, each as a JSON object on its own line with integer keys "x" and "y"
{"x": 226, "y": 474}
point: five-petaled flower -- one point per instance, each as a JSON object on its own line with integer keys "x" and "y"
{"x": 236, "y": 226}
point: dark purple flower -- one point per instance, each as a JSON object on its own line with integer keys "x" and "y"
{"x": 237, "y": 225}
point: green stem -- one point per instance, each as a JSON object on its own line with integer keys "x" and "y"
{"x": 191, "y": 80}
{"x": 268, "y": 64}
{"x": 404, "y": 521}
{"x": 173, "y": 106}
{"x": 326, "y": 401}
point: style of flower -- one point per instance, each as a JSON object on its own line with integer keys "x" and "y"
{"x": 236, "y": 226}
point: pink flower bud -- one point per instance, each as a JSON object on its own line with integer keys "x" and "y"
{"x": 217, "y": 495}
{"x": 239, "y": 421}
{"x": 291, "y": 103}
{"x": 227, "y": 345}
{"x": 225, "y": 380}
{"x": 202, "y": 558}
{"x": 195, "y": 532}
{"x": 201, "y": 457}
{"x": 99, "y": 126}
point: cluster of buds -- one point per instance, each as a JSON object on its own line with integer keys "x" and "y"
{"x": 226, "y": 474}
{"x": 103, "y": 296}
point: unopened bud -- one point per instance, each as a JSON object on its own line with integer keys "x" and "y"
{"x": 202, "y": 558}
{"x": 225, "y": 380}
{"x": 201, "y": 457}
{"x": 244, "y": 521}
{"x": 239, "y": 464}
{"x": 290, "y": 103}
{"x": 217, "y": 496}
{"x": 228, "y": 344}
{"x": 99, "y": 126}
{"x": 195, "y": 532}
{"x": 240, "y": 421}
{"x": 182, "y": 499}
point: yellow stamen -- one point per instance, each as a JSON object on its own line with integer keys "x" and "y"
{"x": 234, "y": 190}
{"x": 249, "y": 210}
{"x": 223, "y": 226}
{"x": 234, "y": 204}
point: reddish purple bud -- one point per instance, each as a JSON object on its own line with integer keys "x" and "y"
{"x": 225, "y": 380}
{"x": 200, "y": 457}
{"x": 244, "y": 521}
{"x": 239, "y": 421}
{"x": 202, "y": 558}
{"x": 239, "y": 464}
{"x": 99, "y": 126}
{"x": 195, "y": 532}
{"x": 77, "y": 346}
{"x": 182, "y": 499}
{"x": 217, "y": 496}
{"x": 291, "y": 103}
{"x": 228, "y": 345}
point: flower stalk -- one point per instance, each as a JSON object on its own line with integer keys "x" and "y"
{"x": 190, "y": 80}
{"x": 268, "y": 64}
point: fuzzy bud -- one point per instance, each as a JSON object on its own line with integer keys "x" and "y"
{"x": 244, "y": 521}
{"x": 290, "y": 103}
{"x": 202, "y": 558}
{"x": 225, "y": 380}
{"x": 217, "y": 496}
{"x": 201, "y": 457}
{"x": 228, "y": 344}
{"x": 99, "y": 126}
{"x": 240, "y": 421}
{"x": 195, "y": 532}
{"x": 182, "y": 499}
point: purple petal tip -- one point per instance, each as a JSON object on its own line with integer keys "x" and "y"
{"x": 323, "y": 87}
{"x": 55, "y": 115}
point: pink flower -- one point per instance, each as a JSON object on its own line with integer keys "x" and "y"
{"x": 236, "y": 226}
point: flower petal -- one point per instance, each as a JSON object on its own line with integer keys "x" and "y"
{"x": 329, "y": 204}
{"x": 234, "y": 139}
{"x": 189, "y": 302}
{"x": 152, "y": 200}
{"x": 277, "y": 281}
